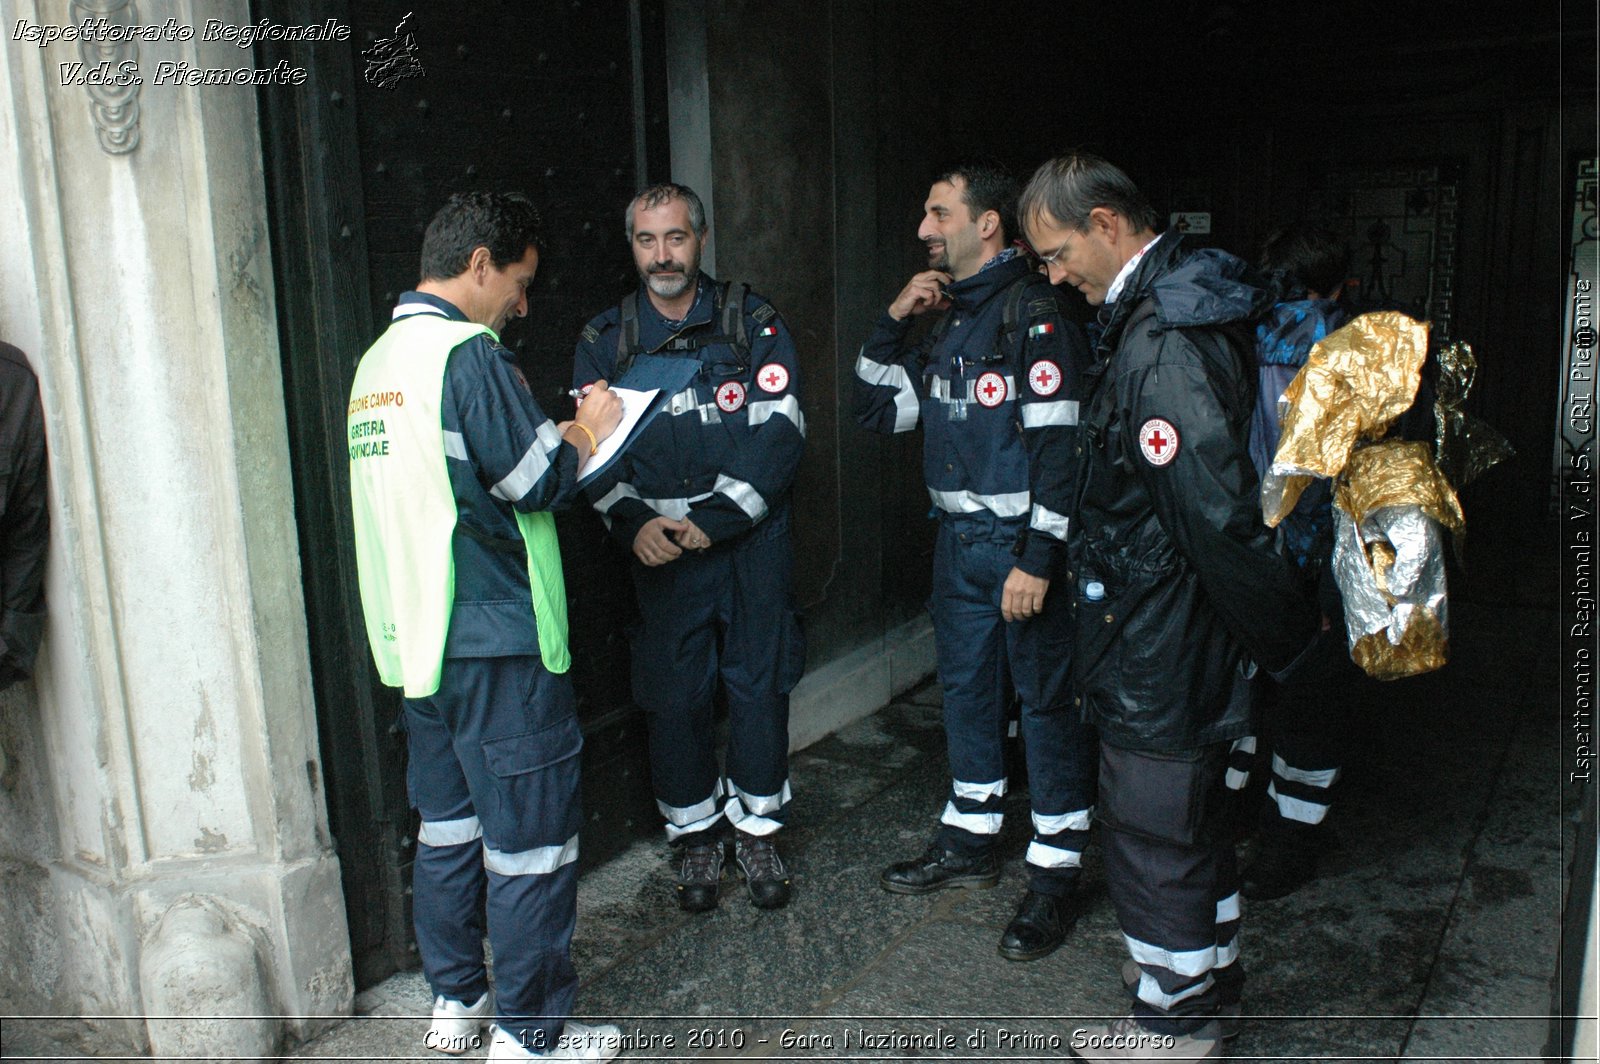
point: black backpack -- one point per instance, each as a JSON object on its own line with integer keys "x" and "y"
{"x": 728, "y": 312}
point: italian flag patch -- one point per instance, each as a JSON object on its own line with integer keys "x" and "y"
{"x": 770, "y": 330}
{"x": 1044, "y": 328}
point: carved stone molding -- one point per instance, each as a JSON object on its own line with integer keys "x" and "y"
{"x": 114, "y": 107}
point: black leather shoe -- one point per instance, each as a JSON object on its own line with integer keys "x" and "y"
{"x": 1277, "y": 872}
{"x": 938, "y": 869}
{"x": 700, "y": 877}
{"x": 763, "y": 871}
{"x": 1041, "y": 924}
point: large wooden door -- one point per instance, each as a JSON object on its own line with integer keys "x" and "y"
{"x": 531, "y": 97}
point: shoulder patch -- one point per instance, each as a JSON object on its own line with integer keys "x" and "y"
{"x": 1158, "y": 441}
{"x": 590, "y": 334}
{"x": 764, "y": 313}
{"x": 1046, "y": 305}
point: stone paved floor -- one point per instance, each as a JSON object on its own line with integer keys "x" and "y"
{"x": 1432, "y": 935}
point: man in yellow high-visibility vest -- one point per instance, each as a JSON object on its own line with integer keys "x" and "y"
{"x": 453, "y": 472}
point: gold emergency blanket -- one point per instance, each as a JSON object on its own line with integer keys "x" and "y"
{"x": 1352, "y": 387}
{"x": 1390, "y": 499}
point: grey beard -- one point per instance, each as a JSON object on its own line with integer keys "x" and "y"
{"x": 668, "y": 285}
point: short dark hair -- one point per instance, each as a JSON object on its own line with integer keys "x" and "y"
{"x": 504, "y": 222}
{"x": 664, "y": 193}
{"x": 1069, "y": 186}
{"x": 988, "y": 188}
{"x": 1307, "y": 256}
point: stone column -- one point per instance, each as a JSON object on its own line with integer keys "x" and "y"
{"x": 178, "y": 760}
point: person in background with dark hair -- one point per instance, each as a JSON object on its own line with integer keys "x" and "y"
{"x": 1181, "y": 591}
{"x": 453, "y": 472}
{"x": 995, "y": 386}
{"x": 24, "y": 517}
{"x": 1308, "y": 267}
{"x": 701, "y": 498}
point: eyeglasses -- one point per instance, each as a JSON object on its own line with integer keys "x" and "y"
{"x": 1050, "y": 259}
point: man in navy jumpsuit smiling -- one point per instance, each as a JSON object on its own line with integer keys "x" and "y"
{"x": 701, "y": 498}
{"x": 453, "y": 470}
{"x": 996, "y": 389}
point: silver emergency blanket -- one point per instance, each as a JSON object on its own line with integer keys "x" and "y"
{"x": 1391, "y": 502}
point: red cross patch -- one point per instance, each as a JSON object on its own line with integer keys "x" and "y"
{"x": 1044, "y": 377}
{"x": 1158, "y": 441}
{"x": 773, "y": 378}
{"x": 730, "y": 397}
{"x": 990, "y": 389}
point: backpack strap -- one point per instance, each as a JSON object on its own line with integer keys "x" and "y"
{"x": 627, "y": 334}
{"x": 727, "y": 312}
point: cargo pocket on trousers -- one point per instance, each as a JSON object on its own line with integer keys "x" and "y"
{"x": 535, "y": 775}
{"x": 1167, "y": 797}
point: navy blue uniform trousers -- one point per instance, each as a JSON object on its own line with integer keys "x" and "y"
{"x": 726, "y": 613}
{"x": 982, "y": 659}
{"x": 493, "y": 772}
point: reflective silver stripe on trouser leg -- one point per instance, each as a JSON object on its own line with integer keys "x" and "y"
{"x": 1228, "y": 930}
{"x": 1044, "y": 853}
{"x": 1308, "y": 803}
{"x": 749, "y": 813}
{"x": 967, "y": 806}
{"x": 688, "y": 819}
{"x": 541, "y": 860}
{"x": 449, "y": 832}
{"x": 1240, "y": 757}
{"x": 1187, "y": 964}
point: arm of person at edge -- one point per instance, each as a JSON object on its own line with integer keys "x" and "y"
{"x": 1206, "y": 499}
{"x": 888, "y": 373}
{"x": 767, "y": 454}
{"x": 1050, "y": 433}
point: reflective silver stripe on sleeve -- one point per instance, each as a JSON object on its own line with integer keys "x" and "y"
{"x": 743, "y": 495}
{"x": 539, "y": 861}
{"x": 614, "y": 496}
{"x": 449, "y": 832}
{"x": 1049, "y": 522}
{"x": 534, "y": 464}
{"x": 1042, "y": 415}
{"x": 1012, "y": 504}
{"x": 896, "y": 377}
{"x": 549, "y": 435}
{"x": 788, "y": 406}
{"x": 677, "y": 509}
{"x": 455, "y": 445}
